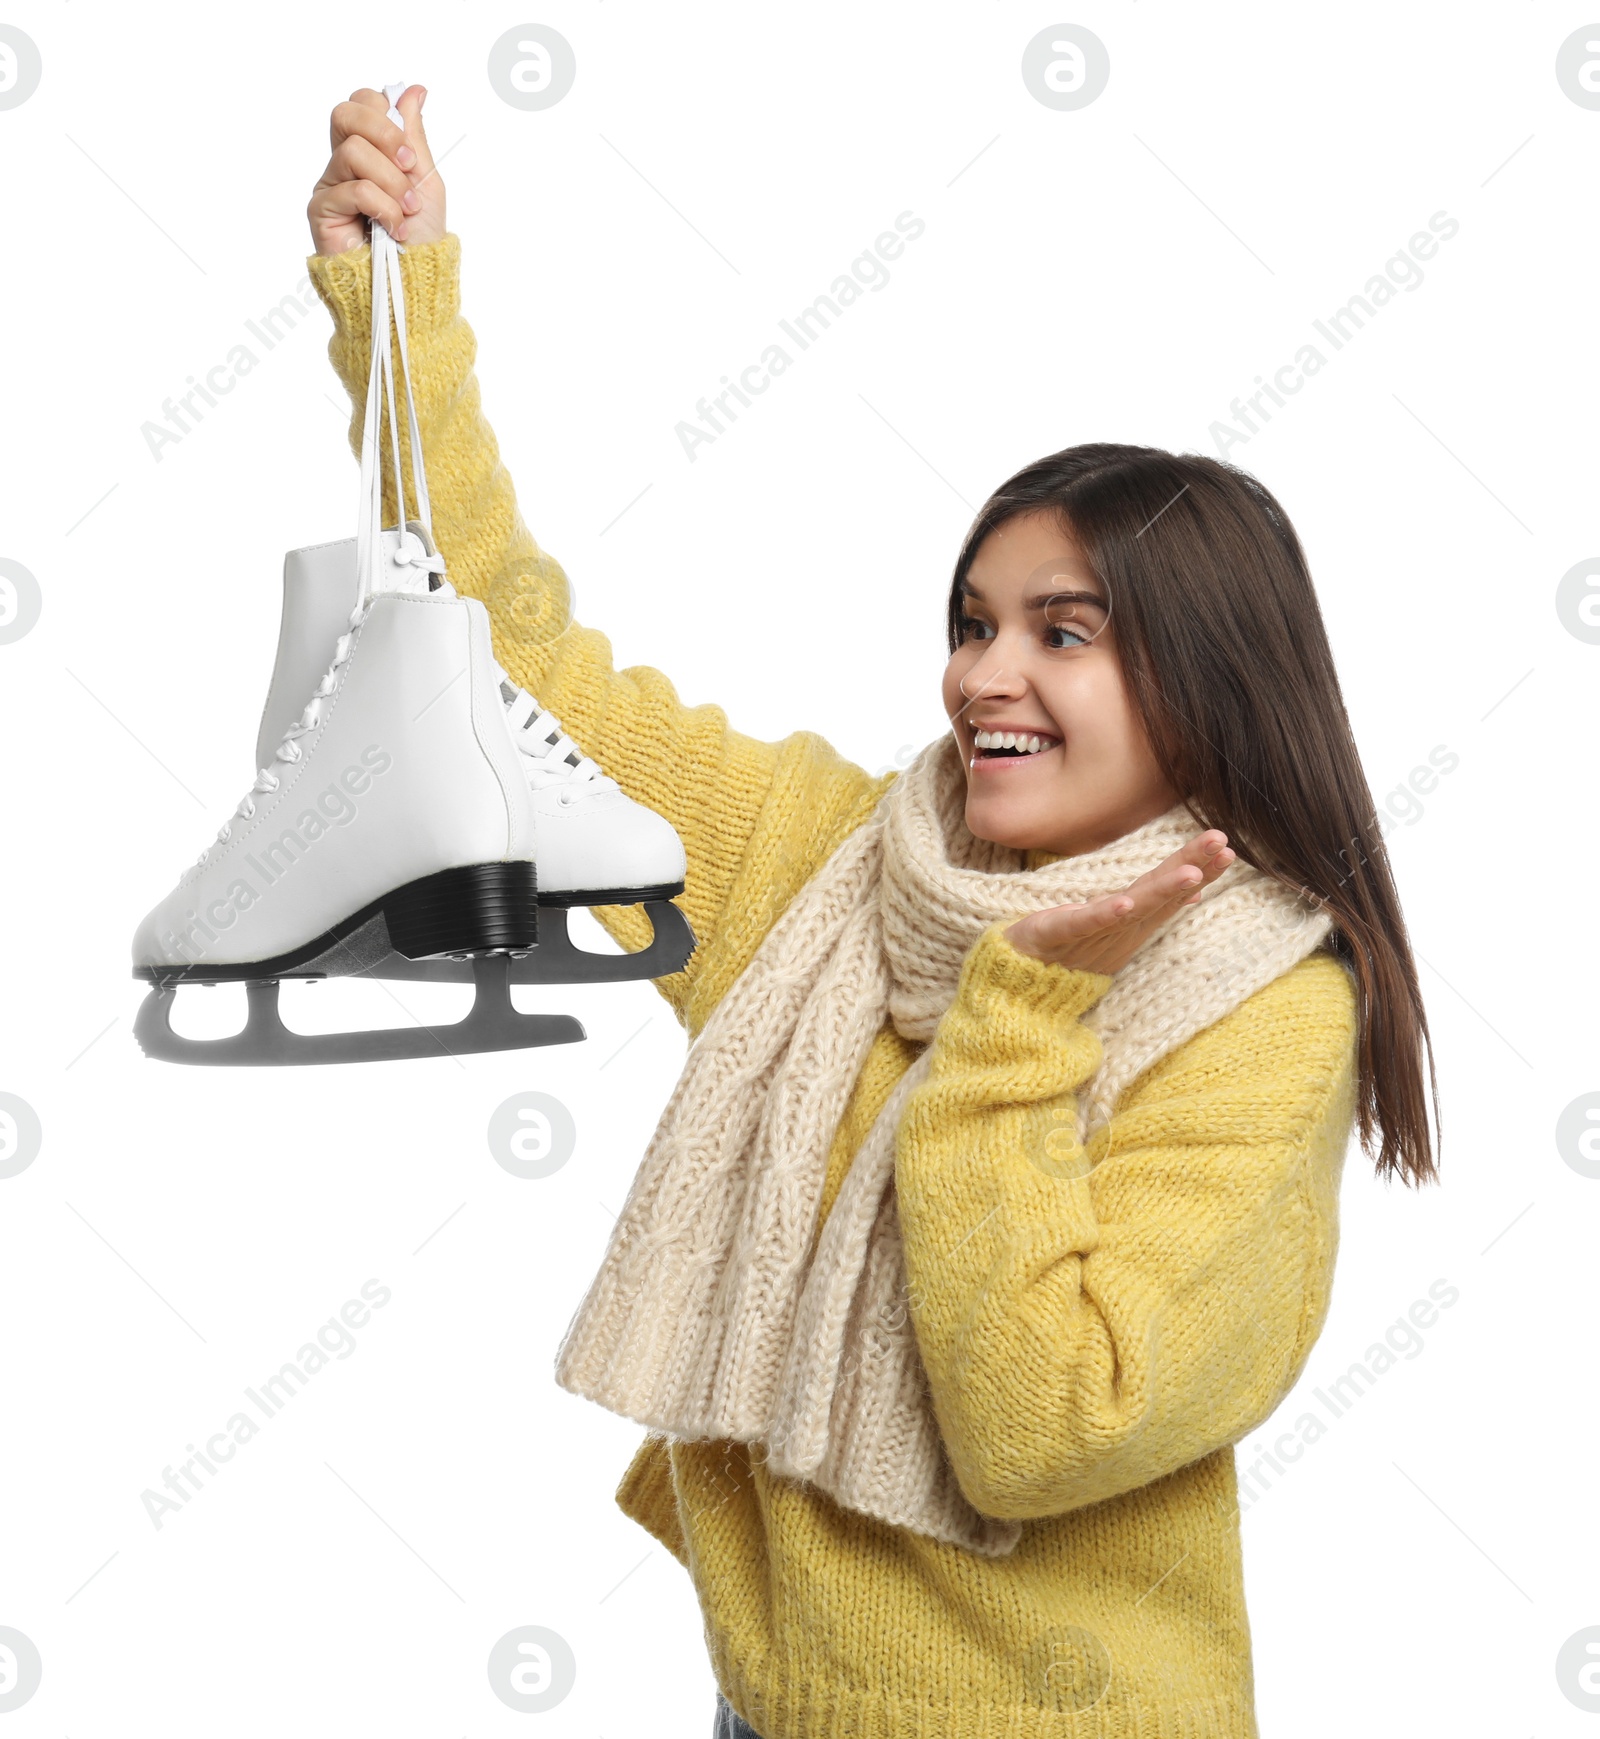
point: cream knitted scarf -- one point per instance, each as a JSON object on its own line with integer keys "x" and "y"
{"x": 710, "y": 1316}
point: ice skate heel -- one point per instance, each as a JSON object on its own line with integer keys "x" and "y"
{"x": 471, "y": 910}
{"x": 557, "y": 961}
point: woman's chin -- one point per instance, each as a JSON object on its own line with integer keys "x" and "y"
{"x": 1004, "y": 820}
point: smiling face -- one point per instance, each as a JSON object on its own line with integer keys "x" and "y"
{"x": 1038, "y": 668}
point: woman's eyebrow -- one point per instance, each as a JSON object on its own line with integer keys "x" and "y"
{"x": 1040, "y": 599}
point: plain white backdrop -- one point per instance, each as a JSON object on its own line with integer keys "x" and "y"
{"x": 1123, "y": 271}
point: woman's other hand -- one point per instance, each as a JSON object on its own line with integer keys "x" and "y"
{"x": 1102, "y": 935}
{"x": 377, "y": 171}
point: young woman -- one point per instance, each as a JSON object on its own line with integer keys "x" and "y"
{"x": 998, "y": 1199}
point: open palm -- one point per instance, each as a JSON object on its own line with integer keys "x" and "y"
{"x": 1103, "y": 934}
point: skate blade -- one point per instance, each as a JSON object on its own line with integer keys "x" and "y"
{"x": 556, "y": 961}
{"x": 491, "y": 1024}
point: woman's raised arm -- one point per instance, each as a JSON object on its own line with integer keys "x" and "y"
{"x": 757, "y": 819}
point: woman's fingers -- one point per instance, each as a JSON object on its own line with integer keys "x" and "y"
{"x": 359, "y": 159}
{"x": 366, "y": 116}
{"x": 377, "y": 171}
{"x": 1103, "y": 934}
{"x": 1181, "y": 878}
{"x": 416, "y": 135}
{"x": 1061, "y": 926}
{"x": 332, "y": 207}
{"x": 1199, "y": 865}
{"x": 362, "y": 179}
{"x": 1149, "y": 900}
{"x": 365, "y": 112}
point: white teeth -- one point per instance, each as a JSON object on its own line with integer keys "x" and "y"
{"x": 1021, "y": 741}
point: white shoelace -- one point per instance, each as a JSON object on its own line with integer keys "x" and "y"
{"x": 551, "y": 756}
{"x": 288, "y": 750}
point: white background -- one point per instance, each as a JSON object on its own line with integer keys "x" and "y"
{"x": 1118, "y": 273}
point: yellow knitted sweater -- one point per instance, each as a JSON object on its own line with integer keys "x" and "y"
{"x": 1095, "y": 1346}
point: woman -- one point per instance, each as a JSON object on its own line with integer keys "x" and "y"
{"x": 998, "y": 1198}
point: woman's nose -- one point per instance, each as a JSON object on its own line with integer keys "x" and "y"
{"x": 992, "y": 677}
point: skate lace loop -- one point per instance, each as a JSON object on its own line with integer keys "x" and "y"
{"x": 410, "y": 553}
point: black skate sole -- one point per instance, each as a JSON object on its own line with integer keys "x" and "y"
{"x": 432, "y": 930}
{"x": 610, "y": 896}
{"x": 475, "y": 909}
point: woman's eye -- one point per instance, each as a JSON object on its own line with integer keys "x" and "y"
{"x": 1058, "y": 636}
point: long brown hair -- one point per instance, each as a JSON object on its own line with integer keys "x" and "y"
{"x": 1228, "y": 667}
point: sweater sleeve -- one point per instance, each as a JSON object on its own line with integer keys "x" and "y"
{"x": 757, "y": 819}
{"x": 1094, "y": 1318}
{"x": 647, "y": 1495}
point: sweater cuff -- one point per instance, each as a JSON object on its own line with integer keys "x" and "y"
{"x": 1001, "y": 984}
{"x": 431, "y": 272}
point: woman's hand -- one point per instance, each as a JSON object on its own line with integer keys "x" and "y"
{"x": 1102, "y": 935}
{"x": 377, "y": 171}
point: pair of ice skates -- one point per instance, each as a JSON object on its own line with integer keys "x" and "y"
{"x": 417, "y": 814}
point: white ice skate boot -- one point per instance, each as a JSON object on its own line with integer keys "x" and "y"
{"x": 392, "y": 817}
{"x": 594, "y": 845}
